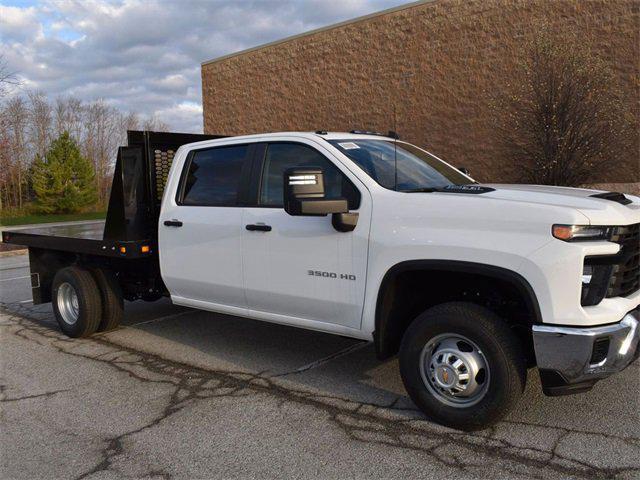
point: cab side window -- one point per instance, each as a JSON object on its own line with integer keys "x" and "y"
{"x": 281, "y": 156}
{"x": 213, "y": 176}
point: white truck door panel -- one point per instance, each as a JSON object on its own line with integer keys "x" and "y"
{"x": 201, "y": 258}
{"x": 303, "y": 267}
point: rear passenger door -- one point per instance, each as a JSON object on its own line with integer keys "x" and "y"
{"x": 200, "y": 230}
{"x": 302, "y": 271}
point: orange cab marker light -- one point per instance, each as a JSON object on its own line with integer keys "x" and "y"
{"x": 123, "y": 249}
{"x": 145, "y": 249}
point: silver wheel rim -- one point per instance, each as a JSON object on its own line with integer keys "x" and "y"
{"x": 454, "y": 370}
{"x": 67, "y": 301}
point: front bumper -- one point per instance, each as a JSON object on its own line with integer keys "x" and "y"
{"x": 572, "y": 360}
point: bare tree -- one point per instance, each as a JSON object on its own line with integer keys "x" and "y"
{"x": 39, "y": 122}
{"x": 15, "y": 122}
{"x": 561, "y": 119}
{"x": 69, "y": 117}
{"x": 5, "y": 163}
{"x": 154, "y": 124}
{"x": 103, "y": 135}
{"x": 8, "y": 78}
{"x": 131, "y": 121}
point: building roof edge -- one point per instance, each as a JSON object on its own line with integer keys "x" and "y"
{"x": 319, "y": 30}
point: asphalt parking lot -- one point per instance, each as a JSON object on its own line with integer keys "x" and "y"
{"x": 178, "y": 393}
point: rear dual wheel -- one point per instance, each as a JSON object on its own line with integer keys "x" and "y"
{"x": 86, "y": 301}
{"x": 112, "y": 302}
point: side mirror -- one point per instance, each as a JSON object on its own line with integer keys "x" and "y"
{"x": 304, "y": 194}
{"x": 465, "y": 171}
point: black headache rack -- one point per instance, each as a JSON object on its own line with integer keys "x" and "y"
{"x": 131, "y": 227}
{"x": 126, "y": 242}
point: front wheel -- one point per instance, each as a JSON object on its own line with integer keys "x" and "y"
{"x": 462, "y": 365}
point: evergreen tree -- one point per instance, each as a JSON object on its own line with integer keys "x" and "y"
{"x": 64, "y": 181}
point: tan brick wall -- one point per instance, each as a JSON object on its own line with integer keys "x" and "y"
{"x": 436, "y": 65}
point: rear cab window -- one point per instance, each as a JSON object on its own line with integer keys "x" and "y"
{"x": 213, "y": 176}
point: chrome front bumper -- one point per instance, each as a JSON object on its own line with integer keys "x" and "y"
{"x": 571, "y": 360}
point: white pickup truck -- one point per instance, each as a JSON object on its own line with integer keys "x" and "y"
{"x": 369, "y": 237}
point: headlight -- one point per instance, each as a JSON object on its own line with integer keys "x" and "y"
{"x": 577, "y": 233}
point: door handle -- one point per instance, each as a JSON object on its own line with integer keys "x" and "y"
{"x": 173, "y": 223}
{"x": 258, "y": 228}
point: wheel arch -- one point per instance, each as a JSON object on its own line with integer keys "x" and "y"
{"x": 389, "y": 321}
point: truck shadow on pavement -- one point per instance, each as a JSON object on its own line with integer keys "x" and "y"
{"x": 202, "y": 356}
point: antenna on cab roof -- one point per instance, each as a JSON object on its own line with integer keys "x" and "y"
{"x": 395, "y": 148}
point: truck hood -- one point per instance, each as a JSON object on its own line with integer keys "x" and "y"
{"x": 599, "y": 211}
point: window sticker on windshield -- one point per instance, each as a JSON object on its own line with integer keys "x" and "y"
{"x": 348, "y": 145}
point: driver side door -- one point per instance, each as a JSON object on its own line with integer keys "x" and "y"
{"x": 302, "y": 271}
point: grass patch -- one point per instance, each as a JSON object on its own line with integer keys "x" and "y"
{"x": 30, "y": 219}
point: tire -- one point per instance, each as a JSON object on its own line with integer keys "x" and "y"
{"x": 112, "y": 301}
{"x": 80, "y": 317}
{"x": 481, "y": 338}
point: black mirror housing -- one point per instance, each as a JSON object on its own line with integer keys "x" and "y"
{"x": 344, "y": 222}
{"x": 304, "y": 193}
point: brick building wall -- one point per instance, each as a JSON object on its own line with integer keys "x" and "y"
{"x": 428, "y": 70}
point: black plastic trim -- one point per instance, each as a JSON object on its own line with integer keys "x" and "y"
{"x": 555, "y": 385}
{"x": 258, "y": 228}
{"x": 468, "y": 189}
{"x": 450, "y": 266}
{"x": 613, "y": 196}
{"x": 596, "y": 290}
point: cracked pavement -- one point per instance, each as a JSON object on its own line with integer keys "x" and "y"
{"x": 177, "y": 393}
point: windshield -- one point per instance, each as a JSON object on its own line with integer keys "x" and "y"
{"x": 417, "y": 169}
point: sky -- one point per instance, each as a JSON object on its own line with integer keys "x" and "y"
{"x": 145, "y": 55}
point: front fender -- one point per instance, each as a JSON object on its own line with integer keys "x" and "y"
{"x": 383, "y": 330}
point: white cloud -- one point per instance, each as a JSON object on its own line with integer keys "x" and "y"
{"x": 145, "y": 55}
{"x": 19, "y": 24}
{"x": 188, "y": 114}
{"x": 176, "y": 82}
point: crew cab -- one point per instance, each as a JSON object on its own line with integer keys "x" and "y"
{"x": 365, "y": 236}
